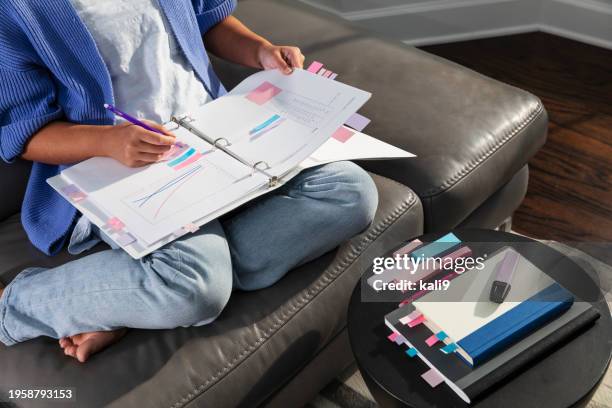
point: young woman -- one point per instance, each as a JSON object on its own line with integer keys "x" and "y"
{"x": 60, "y": 61}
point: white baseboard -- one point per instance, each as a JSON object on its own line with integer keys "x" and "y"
{"x": 428, "y": 22}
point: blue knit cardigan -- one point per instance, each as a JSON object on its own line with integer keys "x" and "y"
{"x": 50, "y": 69}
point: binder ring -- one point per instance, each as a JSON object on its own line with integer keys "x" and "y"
{"x": 221, "y": 139}
{"x": 259, "y": 163}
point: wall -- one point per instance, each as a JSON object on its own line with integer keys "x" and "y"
{"x": 424, "y": 22}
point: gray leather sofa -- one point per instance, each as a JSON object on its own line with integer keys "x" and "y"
{"x": 279, "y": 346}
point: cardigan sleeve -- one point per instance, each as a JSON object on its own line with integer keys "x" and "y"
{"x": 27, "y": 90}
{"x": 210, "y": 12}
{"x": 27, "y": 103}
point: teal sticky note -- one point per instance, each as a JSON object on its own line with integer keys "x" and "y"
{"x": 449, "y": 348}
{"x": 412, "y": 352}
{"x": 441, "y": 335}
{"x": 437, "y": 247}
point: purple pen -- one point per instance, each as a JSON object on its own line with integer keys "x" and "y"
{"x": 131, "y": 119}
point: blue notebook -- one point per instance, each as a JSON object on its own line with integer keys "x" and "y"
{"x": 478, "y": 329}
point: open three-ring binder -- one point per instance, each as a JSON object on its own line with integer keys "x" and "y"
{"x": 228, "y": 152}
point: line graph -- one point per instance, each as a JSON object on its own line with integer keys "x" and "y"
{"x": 140, "y": 202}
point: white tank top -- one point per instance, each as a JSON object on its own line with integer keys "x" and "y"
{"x": 150, "y": 75}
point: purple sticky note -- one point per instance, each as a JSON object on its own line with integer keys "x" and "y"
{"x": 125, "y": 239}
{"x": 433, "y": 377}
{"x": 333, "y": 76}
{"x": 357, "y": 122}
{"x": 70, "y": 189}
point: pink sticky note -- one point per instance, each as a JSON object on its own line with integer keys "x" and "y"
{"x": 408, "y": 248}
{"x": 392, "y": 336}
{"x": 327, "y": 74}
{"x": 263, "y": 93}
{"x": 433, "y": 378}
{"x": 191, "y": 228}
{"x": 431, "y": 340}
{"x": 115, "y": 224}
{"x": 343, "y": 134}
{"x": 314, "y": 67}
{"x": 187, "y": 162}
{"x": 78, "y": 196}
{"x": 410, "y": 317}
{"x": 416, "y": 321}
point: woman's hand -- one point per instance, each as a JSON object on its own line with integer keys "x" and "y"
{"x": 134, "y": 146}
{"x": 282, "y": 57}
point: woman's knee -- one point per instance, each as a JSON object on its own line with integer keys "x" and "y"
{"x": 350, "y": 189}
{"x": 191, "y": 292}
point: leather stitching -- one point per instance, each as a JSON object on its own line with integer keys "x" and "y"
{"x": 306, "y": 295}
{"x": 477, "y": 161}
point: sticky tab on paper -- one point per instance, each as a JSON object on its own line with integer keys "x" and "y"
{"x": 327, "y": 74}
{"x": 408, "y": 318}
{"x": 433, "y": 378}
{"x": 322, "y": 72}
{"x": 74, "y": 193}
{"x": 333, "y": 76}
{"x": 114, "y": 224}
{"x": 431, "y": 340}
{"x": 399, "y": 339}
{"x": 343, "y": 134}
{"x": 263, "y": 93}
{"x": 191, "y": 228}
{"x": 449, "y": 348}
{"x": 357, "y": 122}
{"x": 392, "y": 336}
{"x": 411, "y": 352}
{"x": 125, "y": 239}
{"x": 314, "y": 67}
{"x": 416, "y": 321}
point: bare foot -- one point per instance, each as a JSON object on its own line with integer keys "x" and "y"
{"x": 82, "y": 346}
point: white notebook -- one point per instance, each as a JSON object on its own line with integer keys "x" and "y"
{"x": 232, "y": 150}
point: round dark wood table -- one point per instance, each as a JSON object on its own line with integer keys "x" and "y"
{"x": 565, "y": 377}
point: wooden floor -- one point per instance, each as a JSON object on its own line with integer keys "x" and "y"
{"x": 570, "y": 188}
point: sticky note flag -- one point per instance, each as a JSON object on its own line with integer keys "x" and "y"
{"x": 314, "y": 67}
{"x": 449, "y": 348}
{"x": 333, "y": 76}
{"x": 431, "y": 340}
{"x": 441, "y": 335}
{"x": 74, "y": 193}
{"x": 433, "y": 377}
{"x": 114, "y": 224}
{"x": 412, "y": 352}
{"x": 416, "y": 321}
{"x": 406, "y": 249}
{"x": 79, "y": 196}
{"x": 191, "y": 228}
{"x": 70, "y": 189}
{"x": 399, "y": 339}
{"x": 357, "y": 122}
{"x": 392, "y": 336}
{"x": 125, "y": 239}
{"x": 343, "y": 134}
{"x": 327, "y": 74}
{"x": 263, "y": 93}
{"x": 410, "y": 317}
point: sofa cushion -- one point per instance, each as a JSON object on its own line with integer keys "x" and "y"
{"x": 257, "y": 344}
{"x": 471, "y": 133}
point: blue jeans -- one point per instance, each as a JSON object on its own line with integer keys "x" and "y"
{"x": 189, "y": 281}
